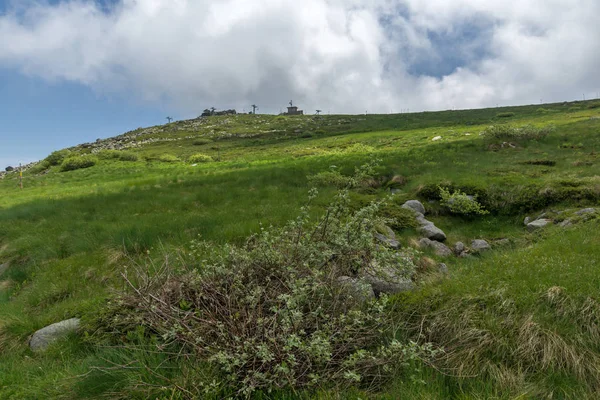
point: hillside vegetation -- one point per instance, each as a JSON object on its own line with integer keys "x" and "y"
{"x": 146, "y": 235}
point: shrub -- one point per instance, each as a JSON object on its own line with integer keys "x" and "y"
{"x": 202, "y": 141}
{"x": 330, "y": 178}
{"x": 398, "y": 218}
{"x": 57, "y": 157}
{"x": 200, "y": 158}
{"x": 461, "y": 203}
{"x": 168, "y": 158}
{"x": 509, "y": 132}
{"x": 117, "y": 155}
{"x": 593, "y": 105}
{"x": 505, "y": 114}
{"x": 78, "y": 162}
{"x": 274, "y": 314}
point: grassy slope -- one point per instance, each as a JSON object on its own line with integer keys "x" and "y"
{"x": 67, "y": 236}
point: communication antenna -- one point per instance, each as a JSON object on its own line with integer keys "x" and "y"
{"x": 169, "y": 119}
{"x": 254, "y": 108}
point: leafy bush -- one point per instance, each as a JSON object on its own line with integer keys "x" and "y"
{"x": 202, "y": 141}
{"x": 510, "y": 132}
{"x": 200, "y": 158}
{"x": 398, "y": 218}
{"x": 505, "y": 114}
{"x": 57, "y": 157}
{"x": 593, "y": 105}
{"x": 78, "y": 162}
{"x": 330, "y": 178}
{"x": 461, "y": 203}
{"x": 168, "y": 158}
{"x": 274, "y": 313}
{"x": 117, "y": 155}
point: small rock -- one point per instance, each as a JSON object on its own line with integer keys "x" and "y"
{"x": 421, "y": 220}
{"x": 3, "y": 268}
{"x": 415, "y": 205}
{"x": 392, "y": 243}
{"x": 479, "y": 245}
{"x": 566, "y": 223}
{"x": 502, "y": 242}
{"x": 439, "y": 248}
{"x": 357, "y": 289}
{"x": 432, "y": 232}
{"x": 46, "y": 336}
{"x": 443, "y": 268}
{"x": 459, "y": 247}
{"x": 585, "y": 211}
{"x": 526, "y": 221}
{"x": 435, "y": 139}
{"x": 538, "y": 224}
{"x": 386, "y": 280}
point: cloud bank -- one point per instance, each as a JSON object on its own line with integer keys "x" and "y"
{"x": 336, "y": 55}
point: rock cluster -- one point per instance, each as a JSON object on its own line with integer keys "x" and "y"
{"x": 544, "y": 220}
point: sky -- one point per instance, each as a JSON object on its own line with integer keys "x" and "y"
{"x": 72, "y": 71}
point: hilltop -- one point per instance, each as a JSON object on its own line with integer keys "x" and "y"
{"x": 507, "y": 305}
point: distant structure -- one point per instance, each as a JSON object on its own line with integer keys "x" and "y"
{"x": 169, "y": 119}
{"x": 293, "y": 110}
{"x": 254, "y": 108}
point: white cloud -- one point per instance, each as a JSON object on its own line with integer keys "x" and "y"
{"x": 338, "y": 55}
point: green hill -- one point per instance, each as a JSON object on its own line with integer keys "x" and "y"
{"x": 518, "y": 321}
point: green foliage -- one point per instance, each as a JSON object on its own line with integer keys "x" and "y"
{"x": 57, "y": 157}
{"x": 510, "y": 132}
{"x": 461, "y": 203}
{"x": 168, "y": 158}
{"x": 78, "y": 162}
{"x": 398, "y": 218}
{"x": 330, "y": 178}
{"x": 273, "y": 313}
{"x": 200, "y": 158}
{"x": 202, "y": 141}
{"x": 117, "y": 155}
{"x": 505, "y": 115}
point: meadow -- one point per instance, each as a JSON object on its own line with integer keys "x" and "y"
{"x": 520, "y": 321}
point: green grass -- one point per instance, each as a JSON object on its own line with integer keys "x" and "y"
{"x": 69, "y": 235}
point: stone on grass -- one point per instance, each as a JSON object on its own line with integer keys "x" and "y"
{"x": 443, "y": 268}
{"x": 414, "y": 205}
{"x": 566, "y": 223}
{"x": 459, "y": 247}
{"x": 392, "y": 243}
{"x": 3, "y": 268}
{"x": 538, "y": 224}
{"x": 386, "y": 280}
{"x": 360, "y": 290}
{"x": 432, "y": 232}
{"x": 480, "y": 245}
{"x": 526, "y": 221}
{"x": 48, "y": 335}
{"x": 585, "y": 211}
{"x": 439, "y": 248}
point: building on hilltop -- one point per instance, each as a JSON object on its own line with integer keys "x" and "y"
{"x": 293, "y": 110}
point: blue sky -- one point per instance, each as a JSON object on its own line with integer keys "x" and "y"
{"x": 72, "y": 71}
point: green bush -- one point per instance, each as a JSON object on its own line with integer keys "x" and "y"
{"x": 461, "y": 203}
{"x": 505, "y": 114}
{"x": 330, "y": 178}
{"x": 39, "y": 167}
{"x": 57, "y": 157}
{"x": 510, "y": 132}
{"x": 168, "y": 158}
{"x": 398, "y": 218}
{"x": 200, "y": 158}
{"x": 78, "y": 162}
{"x": 593, "y": 105}
{"x": 117, "y": 155}
{"x": 202, "y": 141}
{"x": 278, "y": 312}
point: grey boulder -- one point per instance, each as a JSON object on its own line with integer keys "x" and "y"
{"x": 459, "y": 247}
{"x": 432, "y": 232}
{"x": 538, "y": 224}
{"x": 386, "y": 280}
{"x": 358, "y": 289}
{"x": 387, "y": 237}
{"x": 585, "y": 211}
{"x": 479, "y": 245}
{"x": 439, "y": 248}
{"x": 44, "y": 337}
{"x": 415, "y": 205}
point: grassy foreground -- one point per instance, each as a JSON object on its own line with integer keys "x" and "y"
{"x": 518, "y": 322}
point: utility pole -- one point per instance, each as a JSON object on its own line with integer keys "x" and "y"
{"x": 169, "y": 119}
{"x": 254, "y": 108}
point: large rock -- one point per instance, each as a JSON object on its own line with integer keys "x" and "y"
{"x": 387, "y": 237}
{"x": 48, "y": 335}
{"x": 439, "y": 248}
{"x": 480, "y": 245}
{"x": 585, "y": 211}
{"x": 432, "y": 232}
{"x": 538, "y": 224}
{"x": 414, "y": 205}
{"x": 360, "y": 290}
{"x": 386, "y": 280}
{"x": 459, "y": 247}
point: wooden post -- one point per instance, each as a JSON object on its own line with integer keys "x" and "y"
{"x": 21, "y": 176}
